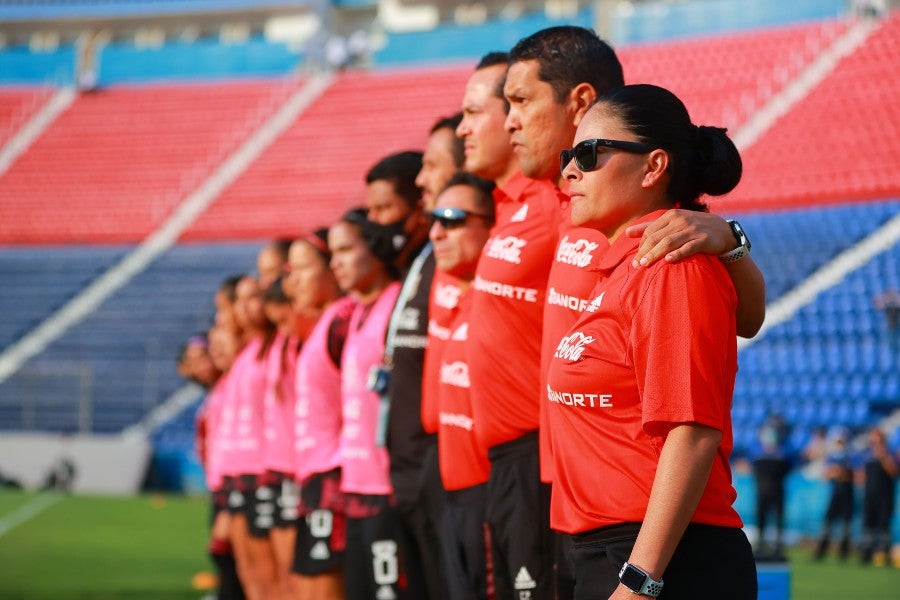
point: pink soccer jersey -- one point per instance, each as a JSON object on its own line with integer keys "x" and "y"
{"x": 242, "y": 416}
{"x": 364, "y": 463}
{"x": 317, "y": 422}
{"x": 279, "y": 405}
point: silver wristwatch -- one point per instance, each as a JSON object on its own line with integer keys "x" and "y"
{"x": 639, "y": 581}
{"x": 743, "y": 241}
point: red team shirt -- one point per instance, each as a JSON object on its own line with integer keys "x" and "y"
{"x": 656, "y": 346}
{"x": 569, "y": 288}
{"x": 442, "y": 309}
{"x": 507, "y": 307}
{"x": 463, "y": 461}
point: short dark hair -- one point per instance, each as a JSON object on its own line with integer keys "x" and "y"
{"x": 702, "y": 160}
{"x": 459, "y": 149}
{"x": 400, "y": 170}
{"x": 492, "y": 59}
{"x": 484, "y": 188}
{"x": 568, "y": 56}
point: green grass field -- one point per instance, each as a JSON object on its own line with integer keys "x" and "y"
{"x": 149, "y": 547}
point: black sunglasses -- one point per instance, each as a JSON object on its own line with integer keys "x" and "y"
{"x": 450, "y": 217}
{"x": 585, "y": 153}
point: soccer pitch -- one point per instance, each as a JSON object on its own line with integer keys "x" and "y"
{"x": 150, "y": 547}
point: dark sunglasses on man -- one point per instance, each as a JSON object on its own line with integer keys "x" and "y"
{"x": 451, "y": 218}
{"x": 585, "y": 153}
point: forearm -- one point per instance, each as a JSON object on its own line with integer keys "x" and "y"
{"x": 684, "y": 467}
{"x": 750, "y": 287}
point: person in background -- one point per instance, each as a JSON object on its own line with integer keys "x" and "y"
{"x": 878, "y": 472}
{"x": 639, "y": 389}
{"x": 270, "y": 262}
{"x": 316, "y": 298}
{"x": 278, "y": 419}
{"x": 242, "y": 430}
{"x": 223, "y": 348}
{"x": 463, "y": 217}
{"x": 771, "y": 466}
{"x": 393, "y": 196}
{"x": 839, "y": 471}
{"x": 443, "y": 156}
{"x": 362, "y": 254}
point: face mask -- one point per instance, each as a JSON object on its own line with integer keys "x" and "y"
{"x": 396, "y": 234}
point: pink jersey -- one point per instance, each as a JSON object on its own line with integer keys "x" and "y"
{"x": 365, "y": 468}
{"x": 317, "y": 422}
{"x": 279, "y": 405}
{"x": 212, "y": 416}
{"x": 242, "y": 416}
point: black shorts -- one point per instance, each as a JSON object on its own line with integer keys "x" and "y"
{"x": 236, "y": 499}
{"x": 518, "y": 514}
{"x": 287, "y": 498}
{"x": 707, "y": 560}
{"x": 259, "y": 506}
{"x": 371, "y": 559}
{"x": 321, "y": 529}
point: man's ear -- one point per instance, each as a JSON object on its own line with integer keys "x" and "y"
{"x": 581, "y": 97}
{"x": 655, "y": 167}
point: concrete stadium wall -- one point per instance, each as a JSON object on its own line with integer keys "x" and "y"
{"x": 103, "y": 464}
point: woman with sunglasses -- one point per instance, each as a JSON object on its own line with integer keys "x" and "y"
{"x": 639, "y": 389}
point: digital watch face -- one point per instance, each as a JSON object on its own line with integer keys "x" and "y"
{"x": 632, "y": 578}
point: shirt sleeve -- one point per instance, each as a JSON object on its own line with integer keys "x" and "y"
{"x": 684, "y": 346}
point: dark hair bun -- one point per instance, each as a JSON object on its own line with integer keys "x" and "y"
{"x": 720, "y": 165}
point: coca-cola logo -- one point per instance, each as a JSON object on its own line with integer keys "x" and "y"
{"x": 508, "y": 249}
{"x": 571, "y": 347}
{"x": 576, "y": 253}
{"x": 446, "y": 296}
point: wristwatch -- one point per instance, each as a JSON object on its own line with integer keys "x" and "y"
{"x": 743, "y": 241}
{"x": 639, "y": 581}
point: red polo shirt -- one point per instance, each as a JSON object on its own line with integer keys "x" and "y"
{"x": 656, "y": 346}
{"x": 463, "y": 461}
{"x": 569, "y": 287}
{"x": 507, "y": 308}
{"x": 443, "y": 305}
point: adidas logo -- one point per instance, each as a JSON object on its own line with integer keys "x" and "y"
{"x": 385, "y": 593}
{"x": 524, "y": 580}
{"x": 461, "y": 333}
{"x": 320, "y": 551}
{"x": 519, "y": 215}
{"x": 595, "y": 303}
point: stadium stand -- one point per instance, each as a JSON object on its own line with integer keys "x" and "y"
{"x": 316, "y": 170}
{"x": 840, "y": 142}
{"x": 121, "y": 159}
{"x": 17, "y": 105}
{"x": 123, "y": 356}
{"x": 723, "y": 79}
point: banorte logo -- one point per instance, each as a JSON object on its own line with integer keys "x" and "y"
{"x": 576, "y": 253}
{"x": 507, "y": 249}
{"x": 571, "y": 347}
{"x": 447, "y": 295}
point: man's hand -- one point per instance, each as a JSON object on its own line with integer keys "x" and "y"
{"x": 678, "y": 234}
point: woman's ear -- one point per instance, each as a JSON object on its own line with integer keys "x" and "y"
{"x": 581, "y": 98}
{"x": 655, "y": 167}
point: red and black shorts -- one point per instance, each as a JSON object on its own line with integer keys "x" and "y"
{"x": 321, "y": 528}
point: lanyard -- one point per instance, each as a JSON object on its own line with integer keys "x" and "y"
{"x": 412, "y": 278}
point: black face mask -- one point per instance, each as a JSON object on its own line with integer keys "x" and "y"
{"x": 397, "y": 234}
